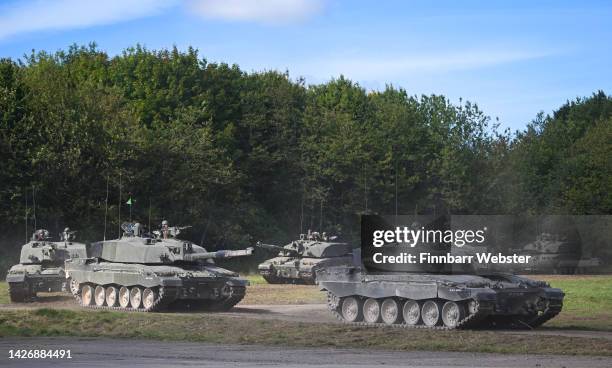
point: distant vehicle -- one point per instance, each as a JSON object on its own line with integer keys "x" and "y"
{"x": 432, "y": 300}
{"x": 299, "y": 261}
{"x": 552, "y": 253}
{"x": 41, "y": 265}
{"x": 139, "y": 272}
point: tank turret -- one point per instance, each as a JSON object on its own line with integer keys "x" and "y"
{"x": 148, "y": 273}
{"x": 41, "y": 265}
{"x": 136, "y": 247}
{"x": 298, "y": 261}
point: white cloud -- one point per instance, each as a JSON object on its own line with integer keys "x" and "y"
{"x": 393, "y": 66}
{"x": 259, "y": 11}
{"x": 40, "y": 15}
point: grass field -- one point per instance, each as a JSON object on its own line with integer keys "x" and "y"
{"x": 587, "y": 303}
{"x": 587, "y": 306}
{"x": 260, "y": 292}
{"x": 4, "y": 298}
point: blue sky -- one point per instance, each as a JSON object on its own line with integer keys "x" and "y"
{"x": 513, "y": 58}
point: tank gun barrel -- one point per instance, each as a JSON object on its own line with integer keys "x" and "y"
{"x": 275, "y": 248}
{"x": 218, "y": 254}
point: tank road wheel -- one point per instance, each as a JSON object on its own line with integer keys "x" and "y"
{"x": 472, "y": 307}
{"x": 389, "y": 311}
{"x": 135, "y": 297}
{"x": 452, "y": 314}
{"x": 148, "y": 298}
{"x": 411, "y": 312}
{"x": 371, "y": 310}
{"x": 430, "y": 313}
{"x": 87, "y": 295}
{"x": 100, "y": 295}
{"x": 73, "y": 285}
{"x": 351, "y": 309}
{"x": 332, "y": 301}
{"x": 111, "y": 296}
{"x": 124, "y": 297}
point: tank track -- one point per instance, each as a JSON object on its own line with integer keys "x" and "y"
{"x": 470, "y": 321}
{"x": 271, "y": 279}
{"x": 520, "y": 322}
{"x": 236, "y": 295}
{"x": 20, "y": 292}
{"x": 165, "y": 296}
{"x": 549, "y": 313}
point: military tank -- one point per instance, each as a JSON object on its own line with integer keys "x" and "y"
{"x": 151, "y": 272}
{"x": 41, "y": 265}
{"x": 299, "y": 261}
{"x": 555, "y": 253}
{"x": 417, "y": 300}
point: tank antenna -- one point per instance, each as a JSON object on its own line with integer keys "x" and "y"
{"x": 321, "y": 216}
{"x": 26, "y": 214}
{"x": 365, "y": 188}
{"x": 119, "y": 235}
{"x": 106, "y": 206}
{"x": 396, "y": 191}
{"x": 302, "y": 209}
{"x": 150, "y": 215}
{"x": 34, "y": 205}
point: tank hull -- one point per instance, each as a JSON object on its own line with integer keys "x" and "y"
{"x": 205, "y": 287}
{"x": 24, "y": 281}
{"x": 296, "y": 270}
{"x": 466, "y": 301}
{"x": 41, "y": 269}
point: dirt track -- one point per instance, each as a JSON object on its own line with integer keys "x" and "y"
{"x": 154, "y": 354}
{"x": 306, "y": 313}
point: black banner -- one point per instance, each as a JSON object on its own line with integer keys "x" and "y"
{"x": 476, "y": 244}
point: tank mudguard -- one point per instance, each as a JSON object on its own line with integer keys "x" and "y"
{"x": 554, "y": 294}
{"x": 409, "y": 291}
{"x": 118, "y": 278}
{"x": 457, "y": 294}
{"x": 171, "y": 282}
{"x": 21, "y": 272}
{"x": 238, "y": 282}
{"x": 381, "y": 289}
{"x": 15, "y": 278}
{"x": 264, "y": 266}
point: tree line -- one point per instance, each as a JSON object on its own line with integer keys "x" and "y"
{"x": 243, "y": 156}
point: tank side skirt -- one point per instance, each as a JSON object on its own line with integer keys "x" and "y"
{"x": 383, "y": 290}
{"x": 472, "y": 320}
{"x": 486, "y": 300}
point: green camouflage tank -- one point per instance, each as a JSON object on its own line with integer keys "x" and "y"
{"x": 147, "y": 273}
{"x": 437, "y": 300}
{"x": 41, "y": 265}
{"x": 299, "y": 261}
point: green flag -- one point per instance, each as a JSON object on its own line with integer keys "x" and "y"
{"x": 129, "y": 201}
